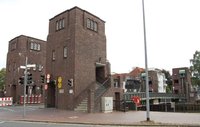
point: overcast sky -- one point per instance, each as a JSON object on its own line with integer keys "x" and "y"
{"x": 172, "y": 26}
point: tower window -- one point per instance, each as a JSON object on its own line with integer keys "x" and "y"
{"x": 92, "y": 25}
{"x": 53, "y": 55}
{"x": 35, "y": 46}
{"x": 65, "y": 52}
{"x": 60, "y": 24}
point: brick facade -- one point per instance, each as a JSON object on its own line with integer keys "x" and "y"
{"x": 19, "y": 48}
{"x": 181, "y": 79}
{"x": 82, "y": 34}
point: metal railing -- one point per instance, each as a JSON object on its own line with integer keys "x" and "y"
{"x": 102, "y": 88}
{"x": 142, "y": 95}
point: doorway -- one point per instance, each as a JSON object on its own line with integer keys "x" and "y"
{"x": 51, "y": 90}
{"x": 100, "y": 74}
{"x": 117, "y": 101}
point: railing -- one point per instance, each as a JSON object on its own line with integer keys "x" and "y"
{"x": 142, "y": 95}
{"x": 32, "y": 99}
{"x": 102, "y": 89}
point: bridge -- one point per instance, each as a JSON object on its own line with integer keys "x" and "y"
{"x": 153, "y": 96}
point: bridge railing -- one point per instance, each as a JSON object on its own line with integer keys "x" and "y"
{"x": 142, "y": 95}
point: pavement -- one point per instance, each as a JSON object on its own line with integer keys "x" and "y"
{"x": 130, "y": 118}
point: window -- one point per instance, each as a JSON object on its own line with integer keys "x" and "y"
{"x": 53, "y": 55}
{"x": 65, "y": 52}
{"x": 92, "y": 25}
{"x": 63, "y": 23}
{"x": 88, "y": 23}
{"x": 95, "y": 26}
{"x": 175, "y": 81}
{"x": 116, "y": 83}
{"x": 60, "y": 24}
{"x": 35, "y": 46}
{"x": 32, "y": 45}
{"x": 38, "y": 48}
{"x": 57, "y": 25}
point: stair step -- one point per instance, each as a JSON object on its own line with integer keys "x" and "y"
{"x": 82, "y": 107}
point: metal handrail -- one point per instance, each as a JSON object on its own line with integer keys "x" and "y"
{"x": 142, "y": 95}
{"x": 103, "y": 87}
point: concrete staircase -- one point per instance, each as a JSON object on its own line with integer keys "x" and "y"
{"x": 82, "y": 107}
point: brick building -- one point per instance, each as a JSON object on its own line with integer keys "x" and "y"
{"x": 76, "y": 53}
{"x": 19, "y": 48}
{"x": 157, "y": 81}
{"x": 181, "y": 78}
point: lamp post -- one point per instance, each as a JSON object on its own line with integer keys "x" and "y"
{"x": 146, "y": 66}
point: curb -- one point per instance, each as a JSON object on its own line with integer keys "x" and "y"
{"x": 141, "y": 124}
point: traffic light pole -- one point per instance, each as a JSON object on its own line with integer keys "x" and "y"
{"x": 25, "y": 84}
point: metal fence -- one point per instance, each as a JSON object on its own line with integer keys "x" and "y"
{"x": 142, "y": 95}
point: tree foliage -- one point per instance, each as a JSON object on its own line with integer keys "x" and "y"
{"x": 195, "y": 68}
{"x": 2, "y": 78}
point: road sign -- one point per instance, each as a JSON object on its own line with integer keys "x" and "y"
{"x": 22, "y": 67}
{"x": 31, "y": 65}
{"x": 59, "y": 82}
{"x": 136, "y": 100}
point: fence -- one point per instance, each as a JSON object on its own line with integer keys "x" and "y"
{"x": 6, "y": 101}
{"x": 188, "y": 107}
{"x": 32, "y": 99}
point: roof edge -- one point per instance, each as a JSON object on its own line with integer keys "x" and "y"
{"x": 76, "y": 7}
{"x": 27, "y": 37}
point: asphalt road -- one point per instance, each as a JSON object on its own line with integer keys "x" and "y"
{"x": 49, "y": 116}
{"x": 40, "y": 124}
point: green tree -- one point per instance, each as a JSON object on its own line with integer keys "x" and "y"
{"x": 169, "y": 81}
{"x": 195, "y": 68}
{"x": 2, "y": 78}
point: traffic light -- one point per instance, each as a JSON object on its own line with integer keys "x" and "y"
{"x": 21, "y": 80}
{"x": 42, "y": 78}
{"x": 70, "y": 82}
{"x": 29, "y": 78}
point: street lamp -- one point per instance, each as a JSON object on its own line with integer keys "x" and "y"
{"x": 146, "y": 66}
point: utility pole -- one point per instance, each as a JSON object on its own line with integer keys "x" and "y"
{"x": 146, "y": 66}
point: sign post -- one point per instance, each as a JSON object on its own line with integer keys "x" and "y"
{"x": 136, "y": 100}
{"x": 25, "y": 82}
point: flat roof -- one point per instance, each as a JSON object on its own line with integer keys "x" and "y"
{"x": 76, "y": 8}
{"x": 27, "y": 37}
